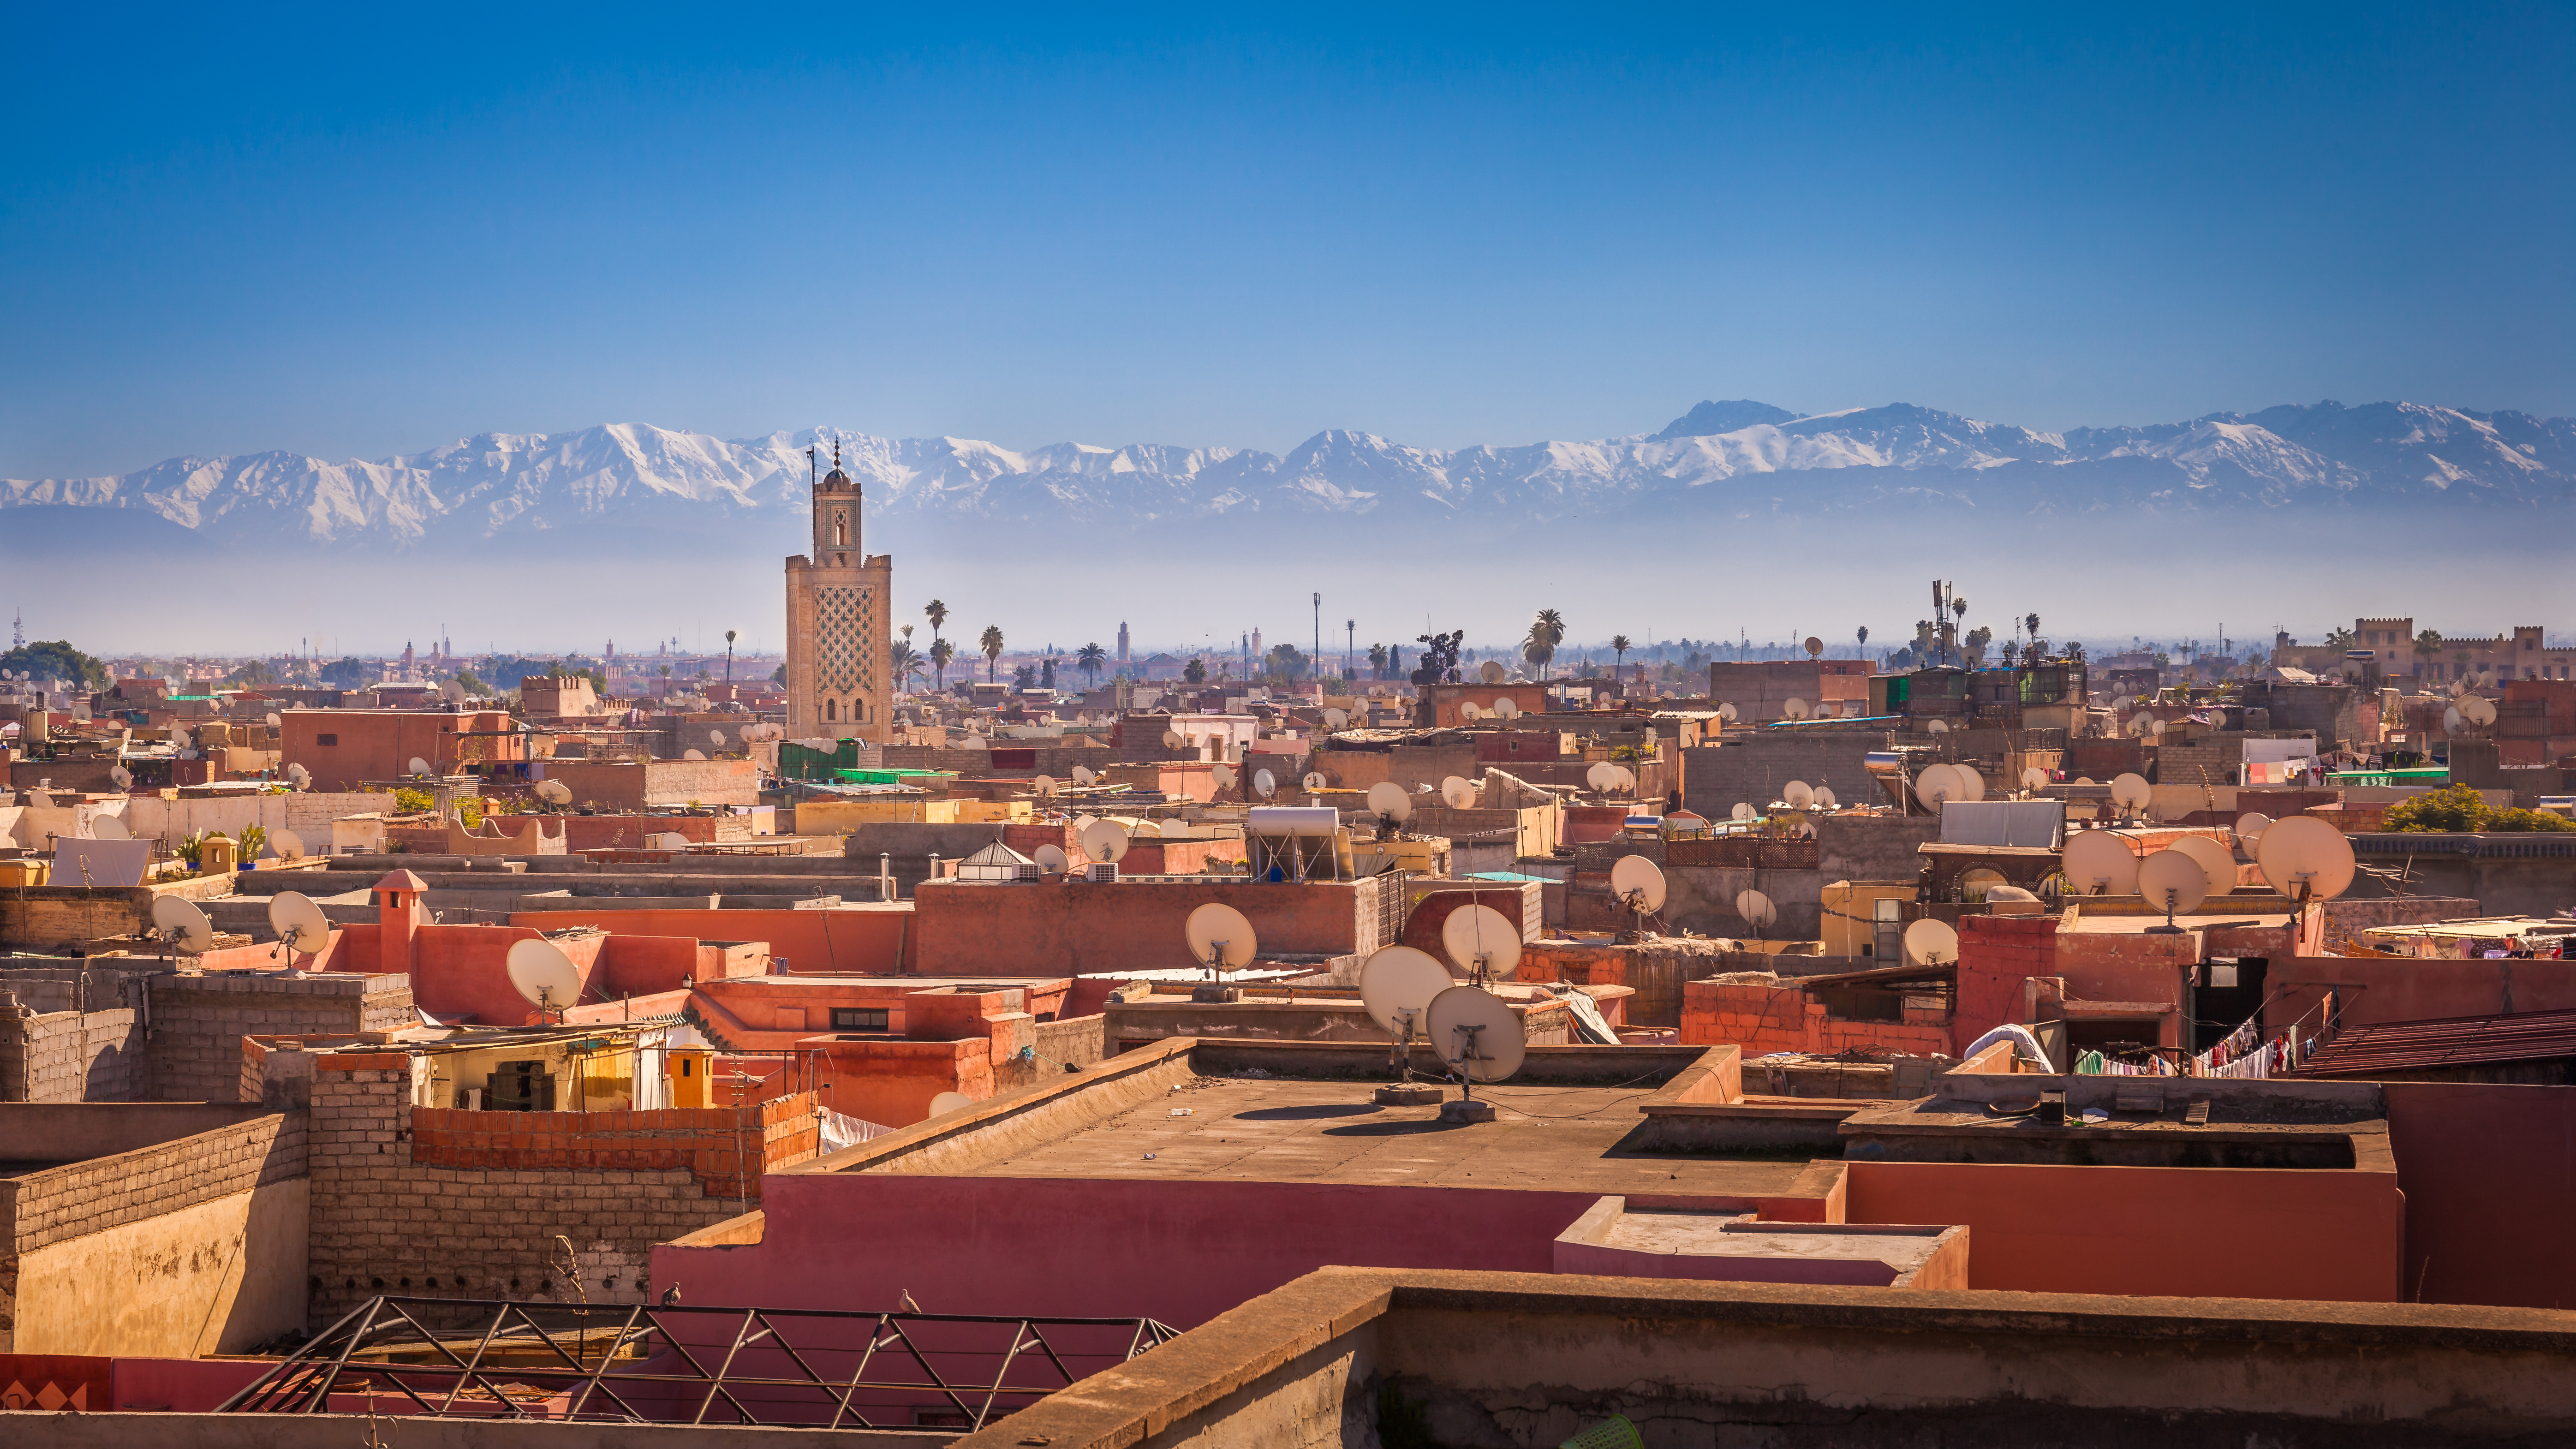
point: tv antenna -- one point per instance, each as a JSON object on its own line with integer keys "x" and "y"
{"x": 1482, "y": 941}
{"x": 1507, "y": 708}
{"x": 1397, "y": 985}
{"x": 1797, "y": 795}
{"x": 301, "y": 927}
{"x": 1104, "y": 842}
{"x": 1639, "y": 885}
{"x": 120, "y": 776}
{"x": 544, "y": 975}
{"x": 1481, "y": 1039}
{"x": 1221, "y": 940}
{"x": 418, "y": 768}
{"x": 1794, "y": 709}
{"x": 1084, "y": 777}
{"x": 1265, "y": 784}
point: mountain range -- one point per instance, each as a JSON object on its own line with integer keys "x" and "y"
{"x": 1719, "y": 462}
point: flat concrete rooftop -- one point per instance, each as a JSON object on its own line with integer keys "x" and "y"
{"x": 1189, "y": 1110}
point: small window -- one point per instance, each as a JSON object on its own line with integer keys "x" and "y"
{"x": 846, "y": 1018}
{"x": 326, "y": 739}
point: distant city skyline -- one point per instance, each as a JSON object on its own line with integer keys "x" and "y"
{"x": 374, "y": 237}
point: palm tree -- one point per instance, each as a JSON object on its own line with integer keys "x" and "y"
{"x": 1091, "y": 659}
{"x": 907, "y": 664}
{"x": 1377, "y": 661}
{"x": 938, "y": 613}
{"x": 1864, "y": 638}
{"x": 941, "y": 651}
{"x": 2427, "y": 644}
{"x": 1545, "y": 633}
{"x": 728, "y": 656}
{"x": 1620, "y": 644}
{"x": 992, "y": 642}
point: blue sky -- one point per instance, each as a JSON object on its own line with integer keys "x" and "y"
{"x": 352, "y": 235}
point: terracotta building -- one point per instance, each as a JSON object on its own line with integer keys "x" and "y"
{"x": 838, "y": 684}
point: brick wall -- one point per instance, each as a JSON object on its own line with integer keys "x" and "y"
{"x": 445, "y": 1203}
{"x": 1764, "y": 1017}
{"x": 39, "y": 1209}
{"x": 198, "y": 1022}
{"x": 1996, "y": 955}
{"x": 72, "y": 1056}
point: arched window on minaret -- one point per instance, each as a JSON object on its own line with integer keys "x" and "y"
{"x": 827, "y": 710}
{"x": 840, "y": 530}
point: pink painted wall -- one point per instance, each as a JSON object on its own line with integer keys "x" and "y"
{"x": 181, "y": 1385}
{"x": 1996, "y": 954}
{"x": 2189, "y": 1231}
{"x": 2488, "y": 1173}
{"x": 1181, "y": 1252}
{"x": 2396, "y": 988}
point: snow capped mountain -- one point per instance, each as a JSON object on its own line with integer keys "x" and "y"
{"x": 1719, "y": 461}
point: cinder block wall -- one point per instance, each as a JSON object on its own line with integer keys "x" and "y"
{"x": 198, "y": 1022}
{"x": 72, "y": 1056}
{"x": 436, "y": 1202}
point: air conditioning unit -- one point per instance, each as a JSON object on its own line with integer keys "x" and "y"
{"x": 1103, "y": 872}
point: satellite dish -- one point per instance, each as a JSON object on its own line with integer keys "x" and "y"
{"x": 1794, "y": 709}
{"x": 1825, "y": 798}
{"x": 1224, "y": 775}
{"x": 109, "y": 827}
{"x": 1638, "y": 883}
{"x": 298, "y": 922}
{"x": 1265, "y": 784}
{"x": 1315, "y": 780}
{"x": 2124, "y": 701}
{"x": 1938, "y": 783}
{"x": 1220, "y": 937}
{"x": 1052, "y": 859}
{"x": 1756, "y": 909}
{"x": 1741, "y": 811}
{"x": 2034, "y": 778}
{"x": 1939, "y": 727}
{"x": 1798, "y": 794}
{"x": 1469, "y": 709}
{"x": 1474, "y": 930}
{"x": 1627, "y": 778}
{"x": 1491, "y": 672}
{"x": 182, "y": 924}
{"x": 1085, "y": 776}
{"x": 2172, "y": 881}
{"x": 1507, "y": 708}
{"x": 180, "y": 738}
{"x": 2131, "y": 792}
{"x": 1971, "y": 781}
{"x": 1726, "y": 713}
{"x": 2101, "y": 864}
{"x": 716, "y": 738}
{"x": 1104, "y": 841}
{"x": 542, "y": 974}
{"x": 2250, "y": 827}
{"x": 947, "y": 1102}
{"x": 1931, "y": 942}
{"x": 1477, "y": 1033}
{"x": 2305, "y": 858}
{"x": 1815, "y": 647}
{"x": 1336, "y": 718}
{"x": 274, "y": 722}
{"x": 287, "y": 844}
{"x": 1174, "y": 739}
{"x": 2217, "y": 862}
{"x": 1397, "y": 984}
{"x": 300, "y": 778}
{"x": 554, "y": 791}
{"x": 122, "y": 776}
{"x": 2156, "y": 727}
{"x": 1458, "y": 794}
{"x": 1388, "y": 799}
{"x": 1603, "y": 777}
{"x": 1043, "y": 786}
{"x": 2478, "y": 709}
{"x": 693, "y": 754}
{"x": 418, "y": 766}
{"x": 2454, "y": 722}
{"x": 1802, "y": 828}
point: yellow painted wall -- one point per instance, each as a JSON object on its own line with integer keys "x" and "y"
{"x": 218, "y": 1277}
{"x": 840, "y": 817}
{"x": 1845, "y": 900}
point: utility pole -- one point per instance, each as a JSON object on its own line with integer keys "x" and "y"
{"x": 1319, "y": 646}
{"x": 1350, "y": 638}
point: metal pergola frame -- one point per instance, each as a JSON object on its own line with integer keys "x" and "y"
{"x": 589, "y": 1372}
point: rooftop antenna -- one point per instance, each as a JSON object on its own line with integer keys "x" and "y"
{"x": 301, "y": 927}
{"x": 1483, "y": 943}
{"x": 1481, "y": 1039}
{"x": 1639, "y": 885}
{"x": 1397, "y": 985}
{"x": 285, "y": 844}
{"x": 1794, "y": 709}
{"x": 1491, "y": 672}
{"x": 1315, "y": 781}
{"x": 544, "y": 975}
{"x": 2172, "y": 879}
{"x": 1221, "y": 940}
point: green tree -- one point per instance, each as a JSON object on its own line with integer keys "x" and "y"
{"x": 938, "y": 613}
{"x": 905, "y": 663}
{"x": 1977, "y": 640}
{"x": 941, "y": 652}
{"x": 1091, "y": 659}
{"x": 466, "y": 680}
{"x": 1195, "y": 671}
{"x": 1377, "y": 661}
{"x": 2339, "y": 640}
{"x": 1545, "y": 633}
{"x": 2534, "y": 821}
{"x": 1285, "y": 662}
{"x": 2427, "y": 644}
{"x": 57, "y": 659}
{"x": 992, "y": 642}
{"x": 2453, "y": 807}
{"x": 778, "y": 676}
{"x": 345, "y": 673}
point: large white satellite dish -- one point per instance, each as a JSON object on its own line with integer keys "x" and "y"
{"x": 2172, "y": 881}
{"x": 1491, "y": 672}
{"x": 1638, "y": 883}
{"x": 542, "y": 974}
{"x": 287, "y": 844}
{"x": 2217, "y": 862}
{"x": 1468, "y": 709}
{"x": 554, "y": 792}
{"x": 1938, "y": 783}
{"x": 1051, "y": 859}
{"x": 2100, "y": 863}
{"x": 1477, "y": 931}
{"x": 1085, "y": 777}
{"x": 1970, "y": 781}
{"x": 1932, "y": 943}
{"x": 1756, "y": 909}
{"x": 418, "y": 766}
{"x": 1603, "y": 777}
{"x": 1797, "y": 795}
{"x": 1104, "y": 841}
{"x": 1224, "y": 776}
{"x": 298, "y": 922}
{"x": 1825, "y": 798}
{"x": 947, "y": 1102}
{"x": 2132, "y": 793}
{"x": 1457, "y": 794}
{"x": 109, "y": 827}
{"x": 1220, "y": 937}
{"x": 181, "y": 923}
{"x": 1335, "y": 719}
{"x": 1315, "y": 780}
{"x": 1477, "y": 1033}
{"x": 1265, "y": 784}
{"x": 2305, "y": 858}
{"x": 120, "y": 777}
{"x": 2250, "y": 827}
{"x": 1388, "y": 799}
{"x": 1396, "y": 987}
{"x": 1507, "y": 708}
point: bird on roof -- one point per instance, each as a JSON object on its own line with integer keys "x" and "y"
{"x": 671, "y": 1296}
